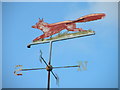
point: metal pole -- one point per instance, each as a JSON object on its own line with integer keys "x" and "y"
{"x": 50, "y": 53}
{"x": 48, "y": 87}
{"x": 49, "y": 62}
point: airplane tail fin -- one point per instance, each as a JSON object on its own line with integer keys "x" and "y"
{"x": 90, "y": 17}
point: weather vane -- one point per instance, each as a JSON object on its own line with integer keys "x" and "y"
{"x": 54, "y": 28}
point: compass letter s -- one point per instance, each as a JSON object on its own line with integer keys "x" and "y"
{"x": 20, "y": 69}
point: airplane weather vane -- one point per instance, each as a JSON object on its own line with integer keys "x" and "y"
{"x": 51, "y": 29}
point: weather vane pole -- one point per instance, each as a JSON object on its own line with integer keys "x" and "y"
{"x": 51, "y": 29}
{"x": 50, "y": 52}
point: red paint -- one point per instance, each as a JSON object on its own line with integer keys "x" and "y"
{"x": 51, "y": 29}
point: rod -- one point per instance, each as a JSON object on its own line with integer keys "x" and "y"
{"x": 54, "y": 75}
{"x": 67, "y": 66}
{"x": 49, "y": 62}
{"x": 41, "y": 42}
{"x": 44, "y": 61}
{"x": 50, "y": 53}
{"x": 48, "y": 87}
{"x": 32, "y": 69}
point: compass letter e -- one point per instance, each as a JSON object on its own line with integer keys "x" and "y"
{"x": 20, "y": 69}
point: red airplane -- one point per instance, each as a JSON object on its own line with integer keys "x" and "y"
{"x": 51, "y": 29}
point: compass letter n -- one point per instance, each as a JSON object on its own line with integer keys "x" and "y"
{"x": 83, "y": 65}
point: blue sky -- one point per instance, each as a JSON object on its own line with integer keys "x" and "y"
{"x": 99, "y": 50}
